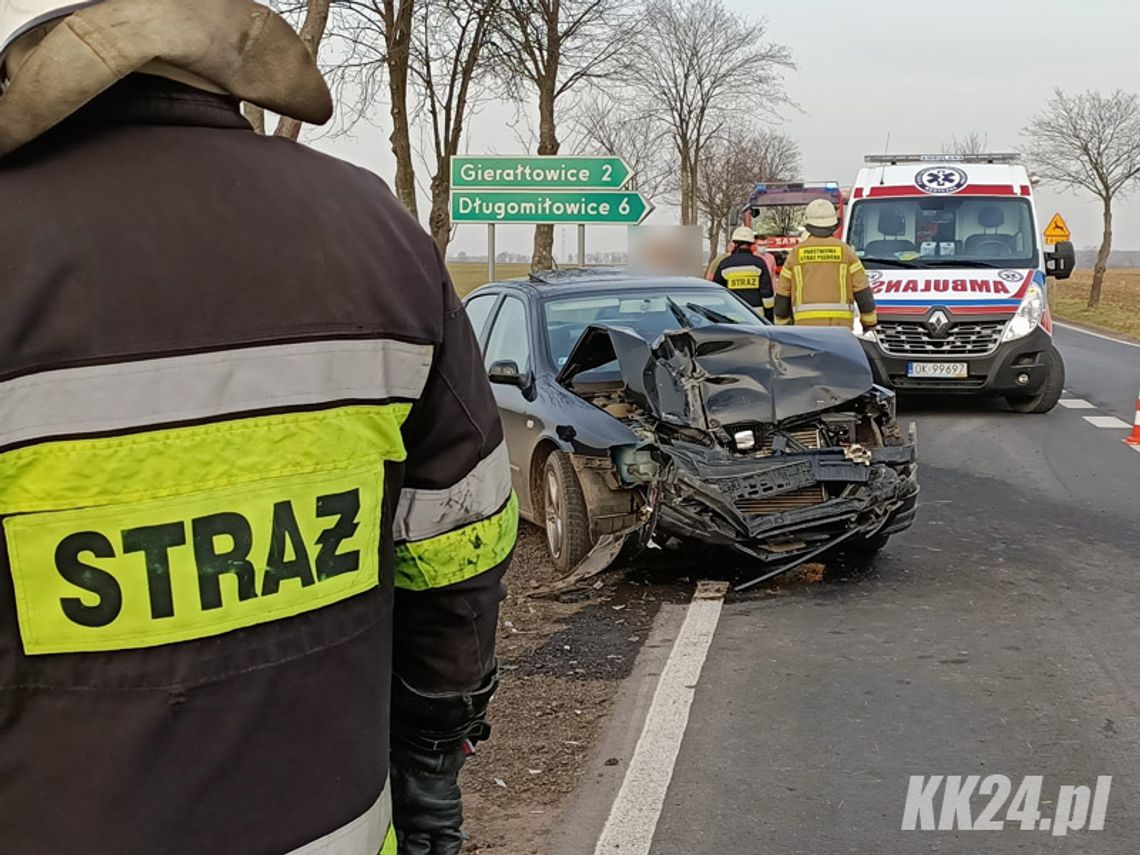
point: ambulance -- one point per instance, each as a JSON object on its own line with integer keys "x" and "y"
{"x": 954, "y": 257}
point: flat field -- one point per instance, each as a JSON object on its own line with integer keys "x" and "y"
{"x": 1119, "y": 309}
{"x": 469, "y": 275}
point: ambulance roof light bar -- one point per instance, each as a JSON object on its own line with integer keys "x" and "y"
{"x": 1005, "y": 157}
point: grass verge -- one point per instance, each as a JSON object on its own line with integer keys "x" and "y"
{"x": 1119, "y": 309}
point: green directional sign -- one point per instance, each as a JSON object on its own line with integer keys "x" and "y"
{"x": 548, "y": 206}
{"x": 509, "y": 172}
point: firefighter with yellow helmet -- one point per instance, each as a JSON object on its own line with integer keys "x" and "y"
{"x": 255, "y": 503}
{"x": 743, "y": 272}
{"x": 823, "y": 282}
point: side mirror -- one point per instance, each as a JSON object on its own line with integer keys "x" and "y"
{"x": 1062, "y": 261}
{"x": 506, "y": 372}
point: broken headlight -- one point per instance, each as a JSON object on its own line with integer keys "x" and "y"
{"x": 1028, "y": 315}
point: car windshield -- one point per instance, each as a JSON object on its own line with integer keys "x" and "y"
{"x": 945, "y": 231}
{"x": 649, "y": 314}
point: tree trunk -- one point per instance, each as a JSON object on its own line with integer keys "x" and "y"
{"x": 312, "y": 31}
{"x": 439, "y": 221}
{"x": 542, "y": 257}
{"x": 1102, "y": 256}
{"x": 398, "y": 37}
{"x": 688, "y": 186}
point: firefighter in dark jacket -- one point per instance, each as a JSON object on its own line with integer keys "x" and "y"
{"x": 745, "y": 273}
{"x": 253, "y": 485}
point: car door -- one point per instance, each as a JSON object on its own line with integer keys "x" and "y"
{"x": 510, "y": 339}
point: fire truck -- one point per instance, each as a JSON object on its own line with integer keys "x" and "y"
{"x": 779, "y": 206}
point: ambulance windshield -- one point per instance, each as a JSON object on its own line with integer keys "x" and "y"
{"x": 933, "y": 231}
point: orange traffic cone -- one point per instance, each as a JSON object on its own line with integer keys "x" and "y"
{"x": 1134, "y": 437}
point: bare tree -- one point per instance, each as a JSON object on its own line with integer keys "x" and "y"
{"x": 730, "y": 167}
{"x": 311, "y": 19}
{"x": 367, "y": 55}
{"x": 970, "y": 143}
{"x": 700, "y": 64}
{"x": 447, "y": 61}
{"x": 1090, "y": 142}
{"x": 555, "y": 47}
{"x": 606, "y": 126}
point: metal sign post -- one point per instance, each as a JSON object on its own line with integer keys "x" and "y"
{"x": 581, "y": 244}
{"x": 490, "y": 252}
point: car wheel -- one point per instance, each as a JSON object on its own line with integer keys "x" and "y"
{"x": 565, "y": 514}
{"x": 1049, "y": 394}
{"x": 861, "y": 548}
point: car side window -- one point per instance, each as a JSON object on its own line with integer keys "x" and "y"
{"x": 509, "y": 337}
{"x": 479, "y": 312}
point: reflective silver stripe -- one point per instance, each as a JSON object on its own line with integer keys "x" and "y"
{"x": 202, "y": 386}
{"x": 421, "y": 514}
{"x": 822, "y": 307}
{"x": 363, "y": 836}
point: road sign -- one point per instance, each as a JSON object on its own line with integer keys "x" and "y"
{"x": 548, "y": 206}
{"x": 1057, "y": 230}
{"x": 549, "y": 172}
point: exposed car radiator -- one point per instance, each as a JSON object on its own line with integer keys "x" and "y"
{"x": 791, "y": 501}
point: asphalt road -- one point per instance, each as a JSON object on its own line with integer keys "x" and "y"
{"x": 1000, "y": 636}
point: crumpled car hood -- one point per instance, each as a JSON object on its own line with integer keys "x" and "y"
{"x": 725, "y": 374}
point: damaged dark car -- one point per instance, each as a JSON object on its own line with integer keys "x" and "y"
{"x": 662, "y": 410}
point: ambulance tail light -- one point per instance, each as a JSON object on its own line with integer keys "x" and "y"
{"x": 1028, "y": 316}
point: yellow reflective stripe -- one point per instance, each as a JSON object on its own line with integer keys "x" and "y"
{"x": 786, "y": 272}
{"x": 67, "y": 474}
{"x": 869, "y": 318}
{"x": 150, "y": 573}
{"x": 843, "y": 285}
{"x": 769, "y": 302}
{"x": 460, "y": 554}
{"x": 389, "y": 847}
{"x": 855, "y": 267}
{"x": 782, "y": 321}
{"x": 799, "y": 274}
{"x": 808, "y": 316}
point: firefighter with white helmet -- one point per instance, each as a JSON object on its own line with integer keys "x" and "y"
{"x": 255, "y": 502}
{"x": 744, "y": 273}
{"x": 823, "y": 282}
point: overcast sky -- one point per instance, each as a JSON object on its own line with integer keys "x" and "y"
{"x": 920, "y": 71}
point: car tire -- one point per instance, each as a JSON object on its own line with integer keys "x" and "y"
{"x": 865, "y": 547}
{"x": 565, "y": 515}
{"x": 1049, "y": 394}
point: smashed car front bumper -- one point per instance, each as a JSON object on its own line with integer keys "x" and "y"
{"x": 709, "y": 502}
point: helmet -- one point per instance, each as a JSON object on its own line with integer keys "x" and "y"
{"x": 821, "y": 214}
{"x": 17, "y": 17}
{"x": 743, "y": 234}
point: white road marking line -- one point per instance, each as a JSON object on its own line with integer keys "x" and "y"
{"x": 1095, "y": 334}
{"x": 1076, "y": 404}
{"x": 1107, "y": 422}
{"x": 633, "y": 818}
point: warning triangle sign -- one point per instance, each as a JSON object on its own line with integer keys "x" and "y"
{"x": 1057, "y": 230}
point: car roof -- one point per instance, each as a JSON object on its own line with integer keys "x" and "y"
{"x": 563, "y": 283}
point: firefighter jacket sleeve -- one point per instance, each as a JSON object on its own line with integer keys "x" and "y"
{"x": 456, "y": 521}
{"x": 767, "y": 291}
{"x": 782, "y": 304}
{"x": 864, "y": 299}
{"x": 713, "y": 272}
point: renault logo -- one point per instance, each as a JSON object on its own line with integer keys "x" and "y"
{"x": 938, "y": 324}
